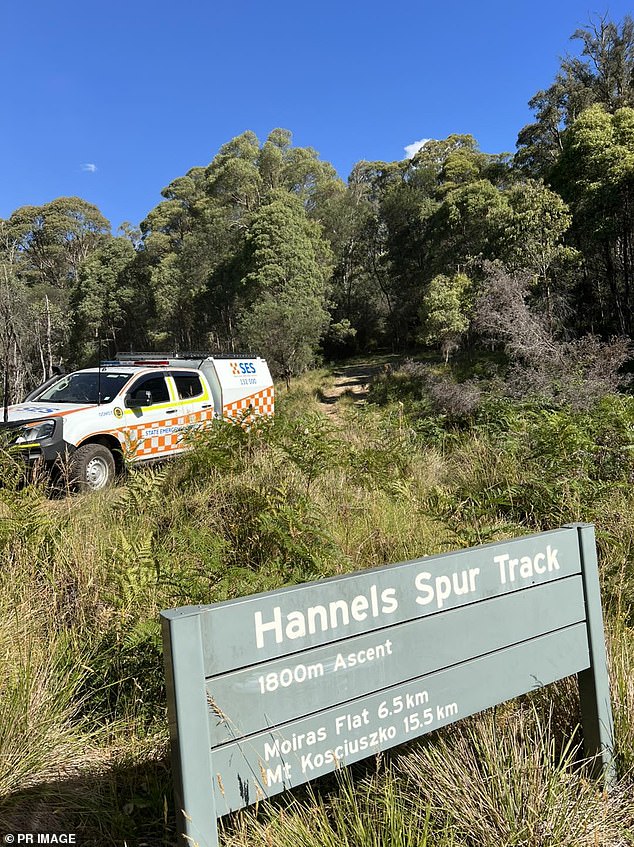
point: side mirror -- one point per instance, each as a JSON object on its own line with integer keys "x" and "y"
{"x": 136, "y": 401}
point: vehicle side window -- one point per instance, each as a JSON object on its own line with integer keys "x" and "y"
{"x": 156, "y": 385}
{"x": 188, "y": 385}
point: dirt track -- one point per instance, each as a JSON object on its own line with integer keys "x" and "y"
{"x": 350, "y": 381}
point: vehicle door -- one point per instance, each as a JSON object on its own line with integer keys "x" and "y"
{"x": 194, "y": 398}
{"x": 152, "y": 427}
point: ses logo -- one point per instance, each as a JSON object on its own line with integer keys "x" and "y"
{"x": 242, "y": 368}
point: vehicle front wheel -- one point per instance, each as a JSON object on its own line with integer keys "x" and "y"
{"x": 92, "y": 468}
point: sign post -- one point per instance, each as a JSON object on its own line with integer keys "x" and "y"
{"x": 270, "y": 691}
{"x": 594, "y": 688}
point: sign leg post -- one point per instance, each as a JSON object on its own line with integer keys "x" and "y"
{"x": 189, "y": 731}
{"x": 594, "y": 687}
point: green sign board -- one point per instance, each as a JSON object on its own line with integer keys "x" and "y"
{"x": 269, "y": 691}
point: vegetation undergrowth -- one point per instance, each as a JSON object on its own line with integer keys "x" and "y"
{"x": 83, "y": 744}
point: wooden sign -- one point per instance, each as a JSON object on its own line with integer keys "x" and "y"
{"x": 269, "y": 691}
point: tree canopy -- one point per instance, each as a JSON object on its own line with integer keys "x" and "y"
{"x": 266, "y": 248}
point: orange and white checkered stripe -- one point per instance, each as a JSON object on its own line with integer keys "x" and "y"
{"x": 245, "y": 410}
{"x": 162, "y": 437}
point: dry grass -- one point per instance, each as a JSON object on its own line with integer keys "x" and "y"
{"x": 84, "y": 578}
{"x": 620, "y": 644}
{"x": 40, "y": 736}
{"x": 506, "y": 782}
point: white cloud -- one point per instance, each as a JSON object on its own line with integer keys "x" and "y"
{"x": 412, "y": 149}
{"x": 89, "y": 168}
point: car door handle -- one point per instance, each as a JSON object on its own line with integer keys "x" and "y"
{"x": 208, "y": 405}
{"x": 170, "y": 411}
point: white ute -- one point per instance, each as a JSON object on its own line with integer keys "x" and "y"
{"x": 138, "y": 408}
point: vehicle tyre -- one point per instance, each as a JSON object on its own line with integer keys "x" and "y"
{"x": 92, "y": 468}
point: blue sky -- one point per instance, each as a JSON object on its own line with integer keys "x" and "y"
{"x": 111, "y": 101}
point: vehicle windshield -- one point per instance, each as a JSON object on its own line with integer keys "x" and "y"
{"x": 84, "y": 388}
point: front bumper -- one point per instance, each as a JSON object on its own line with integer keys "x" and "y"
{"x": 45, "y": 450}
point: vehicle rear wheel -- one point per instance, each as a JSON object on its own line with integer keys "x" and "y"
{"x": 92, "y": 468}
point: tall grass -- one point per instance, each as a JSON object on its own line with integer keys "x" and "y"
{"x": 502, "y": 778}
{"x": 496, "y": 782}
{"x": 83, "y": 730}
{"x": 620, "y": 644}
{"x": 374, "y": 811}
{"x": 40, "y": 735}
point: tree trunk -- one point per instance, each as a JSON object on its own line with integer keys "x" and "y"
{"x": 48, "y": 370}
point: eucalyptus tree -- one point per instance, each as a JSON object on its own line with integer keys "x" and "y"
{"x": 454, "y": 200}
{"x": 42, "y": 249}
{"x": 359, "y": 298}
{"x": 365, "y": 271}
{"x": 595, "y": 175}
{"x": 21, "y": 358}
{"x": 531, "y": 240}
{"x": 602, "y": 74}
{"x": 288, "y": 265}
{"x": 51, "y": 241}
{"x": 107, "y": 302}
{"x": 445, "y": 313}
{"x": 197, "y": 239}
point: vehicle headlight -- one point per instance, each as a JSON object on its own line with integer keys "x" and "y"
{"x": 37, "y": 432}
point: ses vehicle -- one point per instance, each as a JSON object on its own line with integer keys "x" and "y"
{"x": 139, "y": 408}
